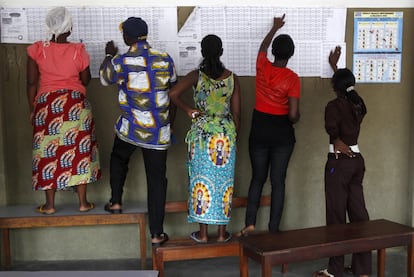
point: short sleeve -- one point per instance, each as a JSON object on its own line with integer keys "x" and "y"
{"x": 294, "y": 90}
{"x": 34, "y": 50}
{"x": 83, "y": 57}
{"x": 261, "y": 61}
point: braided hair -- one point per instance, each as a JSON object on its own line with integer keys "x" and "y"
{"x": 211, "y": 50}
{"x": 343, "y": 82}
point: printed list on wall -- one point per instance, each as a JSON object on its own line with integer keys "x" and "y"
{"x": 315, "y": 31}
{"x": 93, "y": 27}
{"x": 377, "y": 47}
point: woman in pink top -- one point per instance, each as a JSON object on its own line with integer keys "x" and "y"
{"x": 272, "y": 136}
{"x": 65, "y": 153}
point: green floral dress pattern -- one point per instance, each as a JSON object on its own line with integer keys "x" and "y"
{"x": 212, "y": 98}
{"x": 211, "y": 152}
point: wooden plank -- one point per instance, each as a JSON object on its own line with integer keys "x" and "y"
{"x": 66, "y": 221}
{"x": 237, "y": 202}
{"x": 20, "y": 216}
{"x": 325, "y": 241}
{"x": 188, "y": 249}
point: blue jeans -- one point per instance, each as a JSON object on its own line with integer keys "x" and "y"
{"x": 263, "y": 157}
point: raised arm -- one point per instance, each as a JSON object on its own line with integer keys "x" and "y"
{"x": 278, "y": 23}
{"x": 334, "y": 57}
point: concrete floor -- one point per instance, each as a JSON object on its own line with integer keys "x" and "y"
{"x": 396, "y": 266}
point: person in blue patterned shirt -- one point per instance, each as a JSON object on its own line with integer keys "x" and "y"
{"x": 144, "y": 77}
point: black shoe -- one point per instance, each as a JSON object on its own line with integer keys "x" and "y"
{"x": 163, "y": 239}
{"x": 108, "y": 208}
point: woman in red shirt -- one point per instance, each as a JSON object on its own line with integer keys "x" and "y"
{"x": 272, "y": 136}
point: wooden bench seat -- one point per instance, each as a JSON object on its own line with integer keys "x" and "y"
{"x": 187, "y": 249}
{"x": 286, "y": 247}
{"x": 177, "y": 249}
{"x": 25, "y": 216}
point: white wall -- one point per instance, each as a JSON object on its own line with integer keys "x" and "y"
{"x": 280, "y": 3}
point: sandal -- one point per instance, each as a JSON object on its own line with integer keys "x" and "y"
{"x": 245, "y": 231}
{"x": 322, "y": 273}
{"x": 163, "y": 237}
{"x": 194, "y": 236}
{"x": 228, "y": 237}
{"x": 348, "y": 270}
{"x": 41, "y": 209}
{"x": 88, "y": 208}
{"x": 108, "y": 208}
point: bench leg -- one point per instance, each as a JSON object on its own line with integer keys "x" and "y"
{"x": 6, "y": 242}
{"x": 143, "y": 240}
{"x": 244, "y": 266}
{"x": 410, "y": 257}
{"x": 158, "y": 262}
{"x": 381, "y": 262}
{"x": 285, "y": 268}
{"x": 266, "y": 268}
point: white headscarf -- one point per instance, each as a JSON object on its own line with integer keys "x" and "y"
{"x": 58, "y": 21}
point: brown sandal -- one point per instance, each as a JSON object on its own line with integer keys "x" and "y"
{"x": 245, "y": 231}
{"x": 163, "y": 238}
{"x": 41, "y": 209}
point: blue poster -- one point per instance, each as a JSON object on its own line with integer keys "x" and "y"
{"x": 377, "y": 47}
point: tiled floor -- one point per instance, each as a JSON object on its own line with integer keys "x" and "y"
{"x": 396, "y": 266}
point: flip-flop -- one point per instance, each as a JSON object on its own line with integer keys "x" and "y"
{"x": 195, "y": 238}
{"x": 244, "y": 232}
{"x": 322, "y": 273}
{"x": 164, "y": 238}
{"x": 41, "y": 209}
{"x": 348, "y": 270}
{"x": 91, "y": 206}
{"x": 112, "y": 211}
{"x": 228, "y": 237}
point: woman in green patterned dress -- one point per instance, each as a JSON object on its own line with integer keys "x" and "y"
{"x": 211, "y": 139}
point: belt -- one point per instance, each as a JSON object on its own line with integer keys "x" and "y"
{"x": 354, "y": 148}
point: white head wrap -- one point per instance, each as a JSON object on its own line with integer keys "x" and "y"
{"x": 58, "y": 21}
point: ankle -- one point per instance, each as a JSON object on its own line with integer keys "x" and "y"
{"x": 249, "y": 227}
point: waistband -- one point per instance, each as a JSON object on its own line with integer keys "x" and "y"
{"x": 354, "y": 148}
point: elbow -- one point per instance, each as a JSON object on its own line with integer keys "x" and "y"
{"x": 85, "y": 82}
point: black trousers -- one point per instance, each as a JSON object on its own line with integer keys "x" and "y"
{"x": 155, "y": 169}
{"x": 344, "y": 194}
{"x": 265, "y": 158}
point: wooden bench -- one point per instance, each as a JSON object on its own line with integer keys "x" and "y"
{"x": 24, "y": 216}
{"x": 89, "y": 273}
{"x": 187, "y": 249}
{"x": 271, "y": 249}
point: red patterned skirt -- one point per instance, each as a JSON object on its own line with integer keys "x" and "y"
{"x": 65, "y": 150}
